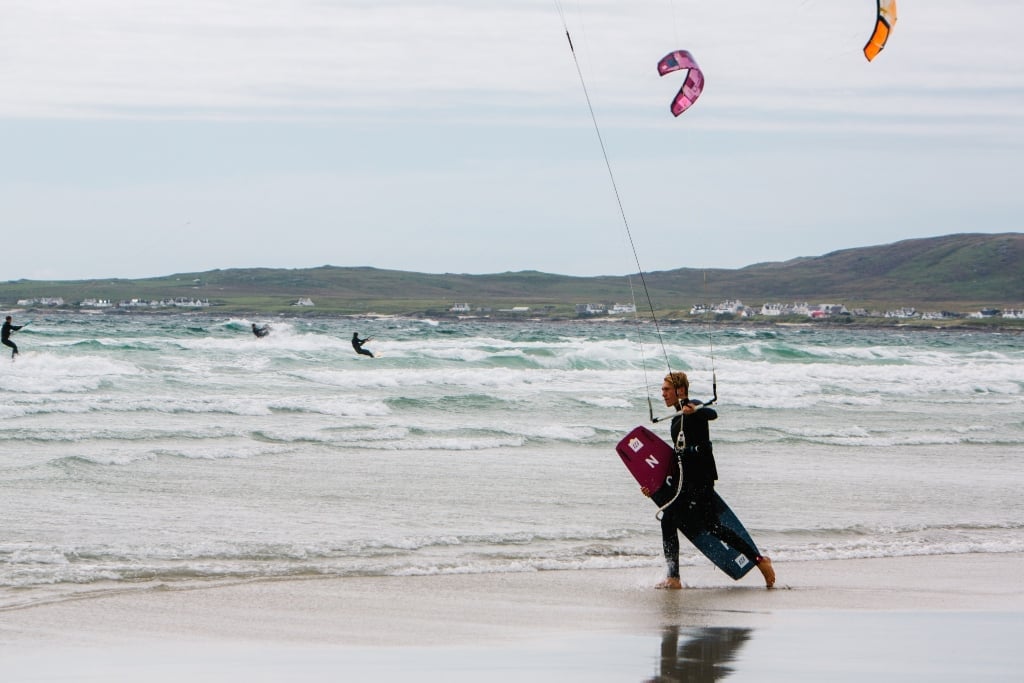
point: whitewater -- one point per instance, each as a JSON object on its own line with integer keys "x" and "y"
{"x": 145, "y": 450}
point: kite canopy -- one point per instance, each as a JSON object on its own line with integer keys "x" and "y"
{"x": 883, "y": 27}
{"x": 692, "y": 86}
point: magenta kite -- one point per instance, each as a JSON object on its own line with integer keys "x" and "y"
{"x": 692, "y": 86}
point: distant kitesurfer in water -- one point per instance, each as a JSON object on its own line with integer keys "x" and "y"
{"x": 693, "y": 508}
{"x": 260, "y": 331}
{"x": 5, "y": 335}
{"x": 357, "y": 344}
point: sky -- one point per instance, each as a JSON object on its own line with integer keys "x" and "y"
{"x": 141, "y": 138}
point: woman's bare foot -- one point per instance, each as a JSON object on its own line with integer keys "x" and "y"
{"x": 670, "y": 583}
{"x": 765, "y": 565}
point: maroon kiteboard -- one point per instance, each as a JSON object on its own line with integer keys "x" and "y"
{"x": 647, "y": 457}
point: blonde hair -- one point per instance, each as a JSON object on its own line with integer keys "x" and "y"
{"x": 678, "y": 380}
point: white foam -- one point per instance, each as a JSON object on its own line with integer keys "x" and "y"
{"x": 46, "y": 373}
{"x": 180, "y": 448}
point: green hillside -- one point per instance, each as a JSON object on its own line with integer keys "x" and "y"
{"x": 955, "y": 272}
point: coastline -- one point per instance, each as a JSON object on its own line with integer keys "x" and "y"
{"x": 394, "y": 624}
{"x": 994, "y": 325}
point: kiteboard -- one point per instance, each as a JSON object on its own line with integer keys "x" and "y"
{"x": 647, "y": 457}
{"x": 649, "y": 460}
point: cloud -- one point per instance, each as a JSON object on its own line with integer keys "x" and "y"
{"x": 259, "y": 59}
{"x": 455, "y": 136}
{"x": 769, "y": 65}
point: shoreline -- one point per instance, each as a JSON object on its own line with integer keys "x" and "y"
{"x": 936, "y": 618}
{"x": 993, "y": 325}
{"x": 480, "y": 608}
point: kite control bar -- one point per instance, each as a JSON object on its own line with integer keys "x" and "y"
{"x": 678, "y": 412}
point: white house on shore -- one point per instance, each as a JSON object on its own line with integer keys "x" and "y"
{"x": 42, "y": 301}
{"x": 591, "y": 309}
{"x": 729, "y": 306}
{"x": 180, "y": 302}
{"x": 777, "y": 309}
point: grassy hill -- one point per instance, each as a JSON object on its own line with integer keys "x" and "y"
{"x": 955, "y": 272}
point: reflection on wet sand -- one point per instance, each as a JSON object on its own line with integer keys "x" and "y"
{"x": 701, "y": 657}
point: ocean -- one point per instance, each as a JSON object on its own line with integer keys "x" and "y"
{"x": 146, "y": 450}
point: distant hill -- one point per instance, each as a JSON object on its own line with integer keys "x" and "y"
{"x": 964, "y": 269}
{"x": 954, "y": 272}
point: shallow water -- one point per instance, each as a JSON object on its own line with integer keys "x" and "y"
{"x": 814, "y": 646}
{"x": 144, "y": 448}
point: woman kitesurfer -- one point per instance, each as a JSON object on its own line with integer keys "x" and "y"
{"x": 693, "y": 509}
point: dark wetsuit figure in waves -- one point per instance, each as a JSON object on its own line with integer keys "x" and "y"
{"x": 5, "y": 336}
{"x": 260, "y": 331}
{"x": 357, "y": 344}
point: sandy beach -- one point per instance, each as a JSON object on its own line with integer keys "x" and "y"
{"x": 940, "y": 617}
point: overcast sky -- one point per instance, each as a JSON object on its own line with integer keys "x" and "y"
{"x": 149, "y": 137}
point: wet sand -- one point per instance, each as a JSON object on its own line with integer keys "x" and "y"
{"x": 938, "y": 617}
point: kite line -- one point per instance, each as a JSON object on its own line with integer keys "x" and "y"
{"x": 622, "y": 213}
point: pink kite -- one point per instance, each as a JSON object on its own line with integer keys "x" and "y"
{"x": 692, "y": 86}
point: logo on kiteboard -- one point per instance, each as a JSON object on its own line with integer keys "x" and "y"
{"x": 636, "y": 445}
{"x": 741, "y": 560}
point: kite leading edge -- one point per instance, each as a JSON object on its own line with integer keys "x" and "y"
{"x": 883, "y": 27}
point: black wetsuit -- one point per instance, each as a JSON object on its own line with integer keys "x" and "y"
{"x": 693, "y": 511}
{"x": 357, "y": 344}
{"x": 260, "y": 331}
{"x": 5, "y": 336}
